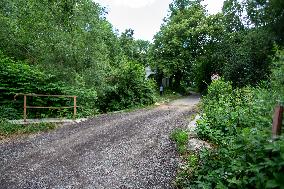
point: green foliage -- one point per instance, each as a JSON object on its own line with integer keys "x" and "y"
{"x": 238, "y": 123}
{"x": 134, "y": 50}
{"x": 129, "y": 88}
{"x": 7, "y": 129}
{"x": 180, "y": 137}
{"x": 232, "y": 10}
{"x": 237, "y": 43}
{"x": 68, "y": 47}
{"x": 268, "y": 14}
{"x": 19, "y": 77}
{"x": 186, "y": 171}
{"x": 248, "y": 57}
{"x": 9, "y": 110}
{"x": 277, "y": 76}
{"x": 182, "y": 40}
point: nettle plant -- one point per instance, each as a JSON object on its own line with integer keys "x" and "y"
{"x": 238, "y": 123}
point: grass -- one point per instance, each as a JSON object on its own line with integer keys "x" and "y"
{"x": 8, "y": 129}
{"x": 189, "y": 159}
{"x": 180, "y": 137}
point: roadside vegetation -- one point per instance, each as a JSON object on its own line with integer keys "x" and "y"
{"x": 180, "y": 137}
{"x": 8, "y": 129}
{"x": 244, "y": 45}
{"x": 68, "y": 47}
{"x": 238, "y": 123}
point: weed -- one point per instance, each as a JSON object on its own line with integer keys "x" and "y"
{"x": 7, "y": 129}
{"x": 186, "y": 171}
{"x": 238, "y": 122}
{"x": 180, "y": 137}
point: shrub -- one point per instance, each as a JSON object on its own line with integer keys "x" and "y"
{"x": 19, "y": 77}
{"x": 180, "y": 137}
{"x": 128, "y": 88}
{"x": 238, "y": 122}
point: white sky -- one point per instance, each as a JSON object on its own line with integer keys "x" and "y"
{"x": 144, "y": 16}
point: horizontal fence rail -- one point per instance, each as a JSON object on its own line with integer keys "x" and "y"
{"x": 43, "y": 107}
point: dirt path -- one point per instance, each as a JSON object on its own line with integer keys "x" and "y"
{"x": 123, "y": 150}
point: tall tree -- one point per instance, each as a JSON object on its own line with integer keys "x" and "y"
{"x": 269, "y": 14}
{"x": 233, "y": 14}
{"x": 184, "y": 39}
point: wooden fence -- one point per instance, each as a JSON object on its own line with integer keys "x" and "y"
{"x": 42, "y": 107}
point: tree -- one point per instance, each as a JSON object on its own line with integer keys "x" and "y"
{"x": 183, "y": 41}
{"x": 233, "y": 14}
{"x": 268, "y": 14}
{"x": 70, "y": 39}
{"x": 248, "y": 57}
{"x": 132, "y": 49}
{"x": 249, "y": 42}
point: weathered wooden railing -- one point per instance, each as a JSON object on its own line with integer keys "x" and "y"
{"x": 42, "y": 107}
{"x": 277, "y": 121}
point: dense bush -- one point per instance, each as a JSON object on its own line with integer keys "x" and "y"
{"x": 238, "y": 124}
{"x": 227, "y": 111}
{"x": 128, "y": 88}
{"x": 247, "y": 57}
{"x": 68, "y": 47}
{"x": 19, "y": 77}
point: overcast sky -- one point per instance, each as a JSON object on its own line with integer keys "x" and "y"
{"x": 144, "y": 16}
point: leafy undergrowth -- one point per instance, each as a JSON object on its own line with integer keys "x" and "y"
{"x": 124, "y": 88}
{"x": 238, "y": 122}
{"x": 189, "y": 160}
{"x": 7, "y": 129}
{"x": 180, "y": 137}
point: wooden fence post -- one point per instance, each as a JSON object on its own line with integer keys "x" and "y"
{"x": 277, "y": 121}
{"x": 75, "y": 106}
{"x": 25, "y": 108}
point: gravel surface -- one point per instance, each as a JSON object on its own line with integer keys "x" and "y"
{"x": 122, "y": 150}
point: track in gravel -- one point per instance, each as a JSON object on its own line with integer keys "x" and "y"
{"x": 122, "y": 150}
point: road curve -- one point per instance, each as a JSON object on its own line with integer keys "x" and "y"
{"x": 121, "y": 150}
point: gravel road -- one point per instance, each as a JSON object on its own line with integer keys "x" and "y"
{"x": 120, "y": 150}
